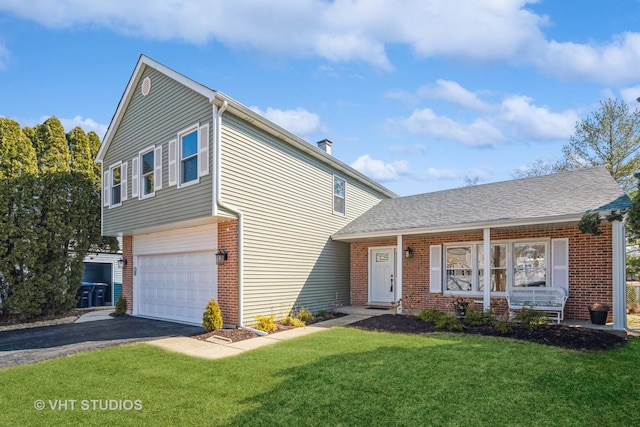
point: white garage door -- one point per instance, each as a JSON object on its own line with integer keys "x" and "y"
{"x": 176, "y": 287}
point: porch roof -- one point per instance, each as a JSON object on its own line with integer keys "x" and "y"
{"x": 559, "y": 197}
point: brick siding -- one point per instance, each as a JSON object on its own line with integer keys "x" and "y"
{"x": 127, "y": 272}
{"x": 590, "y": 267}
{"x": 228, "y": 272}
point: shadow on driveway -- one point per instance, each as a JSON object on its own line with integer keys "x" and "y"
{"x": 18, "y": 347}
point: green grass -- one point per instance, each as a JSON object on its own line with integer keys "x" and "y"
{"x": 339, "y": 377}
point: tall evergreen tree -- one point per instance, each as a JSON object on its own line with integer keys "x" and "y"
{"x": 49, "y": 219}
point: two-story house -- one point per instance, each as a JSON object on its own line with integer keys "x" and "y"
{"x": 212, "y": 200}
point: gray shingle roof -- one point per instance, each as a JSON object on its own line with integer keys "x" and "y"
{"x": 557, "y": 195}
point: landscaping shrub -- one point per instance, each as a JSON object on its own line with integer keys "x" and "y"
{"x": 531, "y": 319}
{"x": 304, "y": 315}
{"x": 502, "y": 327}
{"x": 293, "y": 321}
{"x": 266, "y": 323}
{"x": 322, "y": 313}
{"x": 444, "y": 321}
{"x": 449, "y": 322}
{"x": 430, "y": 315}
{"x": 212, "y": 317}
{"x": 121, "y": 306}
{"x": 478, "y": 318}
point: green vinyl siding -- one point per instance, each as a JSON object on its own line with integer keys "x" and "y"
{"x": 155, "y": 119}
{"x": 286, "y": 197}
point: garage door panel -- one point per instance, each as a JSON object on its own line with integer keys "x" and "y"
{"x": 177, "y": 286}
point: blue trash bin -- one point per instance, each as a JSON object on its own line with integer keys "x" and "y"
{"x": 99, "y": 293}
{"x": 88, "y": 287}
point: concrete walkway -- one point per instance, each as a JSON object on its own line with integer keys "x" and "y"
{"x": 220, "y": 349}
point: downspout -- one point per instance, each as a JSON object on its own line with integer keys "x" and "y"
{"x": 218, "y": 144}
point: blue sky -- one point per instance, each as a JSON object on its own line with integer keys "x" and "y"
{"x": 417, "y": 94}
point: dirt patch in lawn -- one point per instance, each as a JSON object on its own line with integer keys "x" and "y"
{"x": 575, "y": 338}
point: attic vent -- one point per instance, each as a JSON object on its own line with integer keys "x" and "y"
{"x": 146, "y": 86}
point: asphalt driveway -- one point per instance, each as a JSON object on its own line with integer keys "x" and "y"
{"x": 18, "y": 347}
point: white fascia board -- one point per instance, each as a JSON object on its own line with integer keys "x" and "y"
{"x": 256, "y": 119}
{"x": 455, "y": 228}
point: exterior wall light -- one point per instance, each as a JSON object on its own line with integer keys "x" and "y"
{"x": 408, "y": 253}
{"x": 122, "y": 262}
{"x": 221, "y": 256}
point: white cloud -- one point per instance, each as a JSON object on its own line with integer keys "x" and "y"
{"x": 515, "y": 118}
{"x": 443, "y": 174}
{"x": 630, "y": 95}
{"x": 87, "y": 125}
{"x": 299, "y": 122}
{"x": 478, "y": 133}
{"x": 379, "y": 170}
{"x": 527, "y": 121}
{"x": 452, "y": 92}
{"x": 616, "y": 61}
{"x": 355, "y": 30}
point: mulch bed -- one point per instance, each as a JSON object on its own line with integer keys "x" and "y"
{"x": 575, "y": 338}
{"x": 236, "y": 335}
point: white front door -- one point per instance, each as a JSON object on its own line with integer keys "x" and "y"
{"x": 382, "y": 278}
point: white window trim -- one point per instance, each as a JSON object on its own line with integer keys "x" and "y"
{"x": 141, "y": 194}
{"x": 333, "y": 195}
{"x": 178, "y": 165}
{"x": 476, "y": 271}
{"x": 110, "y": 176}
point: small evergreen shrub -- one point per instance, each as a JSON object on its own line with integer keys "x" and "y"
{"x": 502, "y": 327}
{"x": 478, "y": 318}
{"x": 304, "y": 315}
{"x": 449, "y": 322}
{"x": 531, "y": 319}
{"x": 212, "y": 317}
{"x": 632, "y": 296}
{"x": 322, "y": 313}
{"x": 121, "y": 306}
{"x": 430, "y": 315}
{"x": 266, "y": 323}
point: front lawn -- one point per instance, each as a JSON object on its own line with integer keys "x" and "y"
{"x": 340, "y": 377}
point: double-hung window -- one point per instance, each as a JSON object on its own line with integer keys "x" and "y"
{"x": 116, "y": 185}
{"x": 339, "y": 196}
{"x": 147, "y": 172}
{"x": 189, "y": 157}
{"x": 147, "y": 176}
{"x": 510, "y": 264}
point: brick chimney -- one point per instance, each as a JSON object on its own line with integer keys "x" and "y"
{"x": 325, "y": 145}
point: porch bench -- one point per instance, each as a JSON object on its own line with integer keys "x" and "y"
{"x": 548, "y": 300}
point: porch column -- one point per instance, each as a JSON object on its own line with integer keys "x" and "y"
{"x": 619, "y": 276}
{"x": 486, "y": 240}
{"x": 398, "y": 279}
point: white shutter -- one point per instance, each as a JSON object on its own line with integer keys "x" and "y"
{"x": 134, "y": 177}
{"x": 435, "y": 269}
{"x": 157, "y": 168}
{"x": 106, "y": 185}
{"x": 560, "y": 264}
{"x": 203, "y": 150}
{"x": 173, "y": 155}
{"x": 123, "y": 182}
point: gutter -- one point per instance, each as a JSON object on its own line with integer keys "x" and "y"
{"x": 217, "y": 117}
{"x": 456, "y": 227}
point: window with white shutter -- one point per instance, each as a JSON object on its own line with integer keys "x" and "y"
{"x": 203, "y": 150}
{"x": 134, "y": 177}
{"x": 173, "y": 165}
{"x": 560, "y": 264}
{"x": 158, "y": 168}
